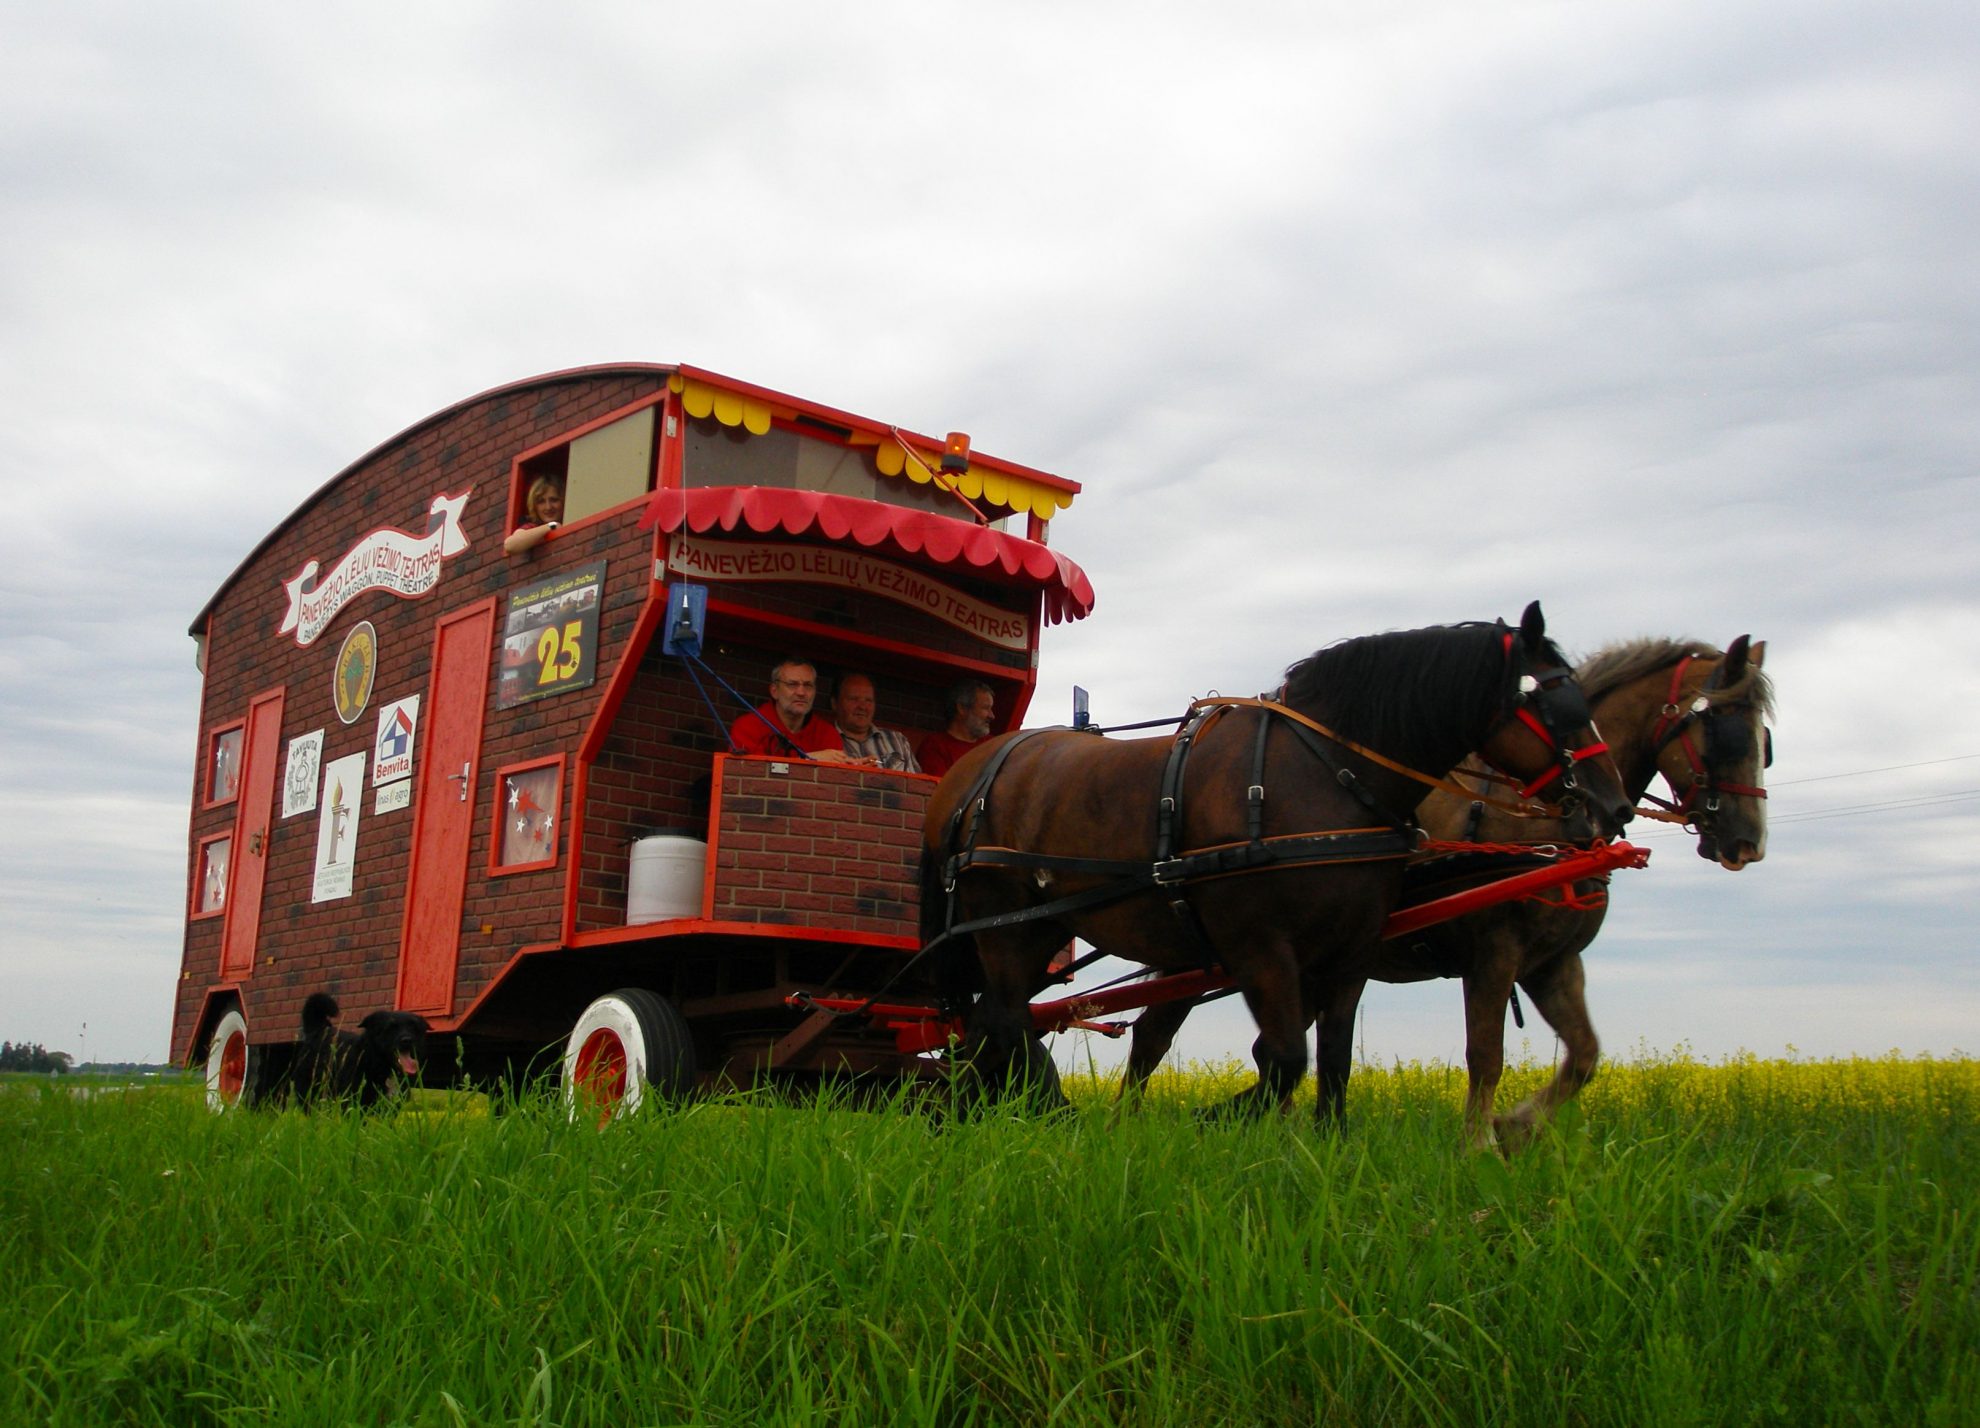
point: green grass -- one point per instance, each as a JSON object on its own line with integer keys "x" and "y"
{"x": 1707, "y": 1245}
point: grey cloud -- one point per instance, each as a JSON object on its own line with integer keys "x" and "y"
{"x": 1663, "y": 315}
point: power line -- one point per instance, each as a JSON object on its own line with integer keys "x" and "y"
{"x": 1850, "y": 810}
{"x": 1847, "y": 810}
{"x": 1859, "y": 773}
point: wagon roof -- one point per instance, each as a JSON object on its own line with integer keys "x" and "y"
{"x": 740, "y": 402}
{"x": 744, "y": 404}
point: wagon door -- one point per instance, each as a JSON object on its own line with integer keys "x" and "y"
{"x": 250, "y": 847}
{"x": 443, "y": 810}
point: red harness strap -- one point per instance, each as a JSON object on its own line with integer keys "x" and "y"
{"x": 1532, "y": 721}
{"x": 1674, "y": 726}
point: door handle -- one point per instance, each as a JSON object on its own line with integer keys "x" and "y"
{"x": 463, "y": 778}
{"x": 255, "y": 841}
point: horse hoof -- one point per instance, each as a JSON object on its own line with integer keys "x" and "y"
{"x": 1513, "y": 1132}
{"x": 1244, "y": 1106}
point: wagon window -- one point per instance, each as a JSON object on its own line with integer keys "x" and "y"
{"x": 216, "y": 855}
{"x": 609, "y": 466}
{"x": 527, "y": 799}
{"x": 223, "y": 764}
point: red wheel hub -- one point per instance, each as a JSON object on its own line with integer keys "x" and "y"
{"x": 600, "y": 1074}
{"x": 233, "y": 1068}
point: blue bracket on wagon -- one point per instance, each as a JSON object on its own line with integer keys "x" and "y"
{"x": 687, "y": 618}
{"x": 681, "y": 635}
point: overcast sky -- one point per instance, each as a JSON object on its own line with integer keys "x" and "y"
{"x": 1348, "y": 319}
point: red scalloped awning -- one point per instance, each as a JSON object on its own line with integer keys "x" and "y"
{"x": 976, "y": 550}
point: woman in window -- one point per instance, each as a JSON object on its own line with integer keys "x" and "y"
{"x": 543, "y": 508}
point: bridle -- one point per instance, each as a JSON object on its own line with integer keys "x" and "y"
{"x": 1726, "y": 740}
{"x": 1548, "y": 700}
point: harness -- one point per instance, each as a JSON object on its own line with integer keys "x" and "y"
{"x": 1721, "y": 732}
{"x": 1548, "y": 701}
{"x": 1167, "y": 869}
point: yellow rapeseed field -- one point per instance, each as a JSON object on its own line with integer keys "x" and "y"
{"x": 1734, "y": 1088}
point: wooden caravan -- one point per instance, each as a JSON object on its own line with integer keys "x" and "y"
{"x": 440, "y": 777}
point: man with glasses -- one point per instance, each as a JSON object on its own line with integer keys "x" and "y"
{"x": 785, "y": 727}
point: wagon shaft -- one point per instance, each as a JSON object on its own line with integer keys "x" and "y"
{"x": 1561, "y": 871}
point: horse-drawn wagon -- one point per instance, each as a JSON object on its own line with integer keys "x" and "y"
{"x": 463, "y": 763}
{"x": 475, "y": 785}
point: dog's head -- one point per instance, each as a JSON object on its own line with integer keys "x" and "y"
{"x": 394, "y": 1041}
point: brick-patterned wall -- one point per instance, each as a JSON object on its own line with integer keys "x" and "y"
{"x": 654, "y": 767}
{"x": 653, "y": 764}
{"x": 816, "y": 845}
{"x": 651, "y": 774}
{"x": 350, "y": 946}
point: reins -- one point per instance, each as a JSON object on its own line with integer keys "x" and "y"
{"x": 1442, "y": 784}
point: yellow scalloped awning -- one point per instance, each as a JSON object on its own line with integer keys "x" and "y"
{"x": 698, "y": 399}
{"x": 996, "y": 487}
{"x": 1015, "y": 493}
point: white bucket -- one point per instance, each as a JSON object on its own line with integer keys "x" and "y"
{"x": 666, "y": 876}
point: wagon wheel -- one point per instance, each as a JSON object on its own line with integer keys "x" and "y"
{"x": 230, "y": 1063}
{"x": 628, "y": 1043}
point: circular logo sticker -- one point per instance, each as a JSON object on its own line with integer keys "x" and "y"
{"x": 357, "y": 667}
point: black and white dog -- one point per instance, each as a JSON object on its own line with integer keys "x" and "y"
{"x": 377, "y": 1062}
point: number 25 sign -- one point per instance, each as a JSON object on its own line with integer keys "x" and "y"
{"x": 550, "y": 639}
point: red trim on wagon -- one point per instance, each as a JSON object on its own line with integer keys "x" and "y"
{"x": 942, "y": 540}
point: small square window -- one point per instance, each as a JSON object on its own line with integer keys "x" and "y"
{"x": 527, "y": 799}
{"x": 223, "y": 765}
{"x": 598, "y": 467}
{"x": 216, "y": 856}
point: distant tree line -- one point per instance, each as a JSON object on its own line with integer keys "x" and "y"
{"x": 31, "y": 1056}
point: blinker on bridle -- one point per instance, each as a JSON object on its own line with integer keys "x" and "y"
{"x": 1726, "y": 738}
{"x": 1550, "y": 702}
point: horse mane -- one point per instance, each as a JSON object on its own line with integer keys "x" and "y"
{"x": 1394, "y": 691}
{"x": 1613, "y": 666}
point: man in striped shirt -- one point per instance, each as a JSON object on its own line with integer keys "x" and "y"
{"x": 853, "y": 708}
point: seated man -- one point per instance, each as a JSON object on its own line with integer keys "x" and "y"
{"x": 853, "y": 706}
{"x": 785, "y": 727}
{"x": 971, "y": 706}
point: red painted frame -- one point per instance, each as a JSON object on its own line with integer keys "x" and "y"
{"x": 199, "y": 878}
{"x": 518, "y": 488}
{"x": 496, "y": 867}
{"x": 213, "y": 737}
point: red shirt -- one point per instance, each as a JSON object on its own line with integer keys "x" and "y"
{"x": 940, "y": 750}
{"x": 750, "y": 736}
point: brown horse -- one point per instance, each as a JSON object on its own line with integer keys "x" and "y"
{"x": 1265, "y": 847}
{"x": 1678, "y": 708}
